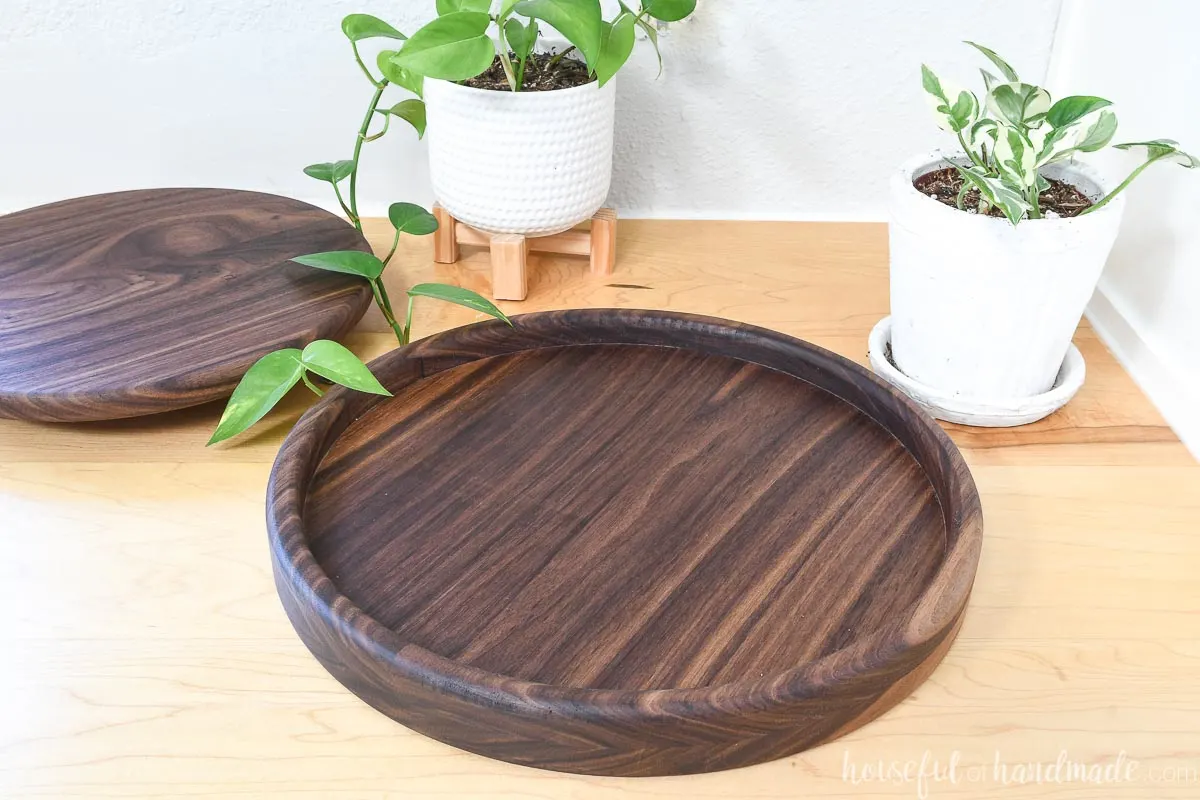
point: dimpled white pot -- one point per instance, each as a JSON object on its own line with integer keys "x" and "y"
{"x": 984, "y": 310}
{"x": 533, "y": 163}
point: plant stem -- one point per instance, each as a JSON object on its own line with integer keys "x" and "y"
{"x": 970, "y": 153}
{"x": 408, "y": 321}
{"x": 358, "y": 143}
{"x": 559, "y": 56}
{"x": 521, "y": 62}
{"x": 341, "y": 202}
{"x": 1121, "y": 187}
{"x": 385, "y": 307}
{"x": 309, "y": 384}
{"x": 502, "y": 52}
{"x": 962, "y": 195}
{"x": 363, "y": 66}
{"x": 1035, "y": 211}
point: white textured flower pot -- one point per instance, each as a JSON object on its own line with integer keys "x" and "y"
{"x": 533, "y": 163}
{"x": 983, "y": 310}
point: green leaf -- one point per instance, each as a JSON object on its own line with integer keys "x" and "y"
{"x": 989, "y": 80}
{"x": 458, "y": 296}
{"x": 349, "y": 262}
{"x": 333, "y": 361}
{"x": 577, "y": 20}
{"x": 932, "y": 85}
{"x": 330, "y": 171}
{"x": 995, "y": 193}
{"x": 451, "y": 48}
{"x": 616, "y": 44}
{"x": 445, "y": 7}
{"x": 1099, "y": 134}
{"x": 263, "y": 385}
{"x": 1008, "y": 72}
{"x": 363, "y": 26}
{"x": 411, "y": 218}
{"x": 1157, "y": 149}
{"x": 506, "y": 8}
{"x": 1018, "y": 103}
{"x": 411, "y": 111}
{"x": 1015, "y": 157}
{"x": 404, "y": 78}
{"x": 521, "y": 38}
{"x": 669, "y": 10}
{"x": 651, "y": 34}
{"x": 1072, "y": 109}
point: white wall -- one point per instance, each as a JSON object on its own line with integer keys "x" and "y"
{"x": 1147, "y": 306}
{"x": 768, "y": 108}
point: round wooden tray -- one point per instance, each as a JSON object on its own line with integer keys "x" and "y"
{"x": 125, "y": 304}
{"x": 624, "y": 542}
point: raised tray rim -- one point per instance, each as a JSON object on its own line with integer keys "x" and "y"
{"x": 933, "y": 620}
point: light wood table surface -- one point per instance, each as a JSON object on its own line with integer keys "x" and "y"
{"x": 146, "y": 654}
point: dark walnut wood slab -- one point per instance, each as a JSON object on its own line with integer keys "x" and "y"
{"x": 624, "y": 542}
{"x": 125, "y": 304}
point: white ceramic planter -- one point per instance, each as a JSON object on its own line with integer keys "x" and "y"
{"x": 533, "y": 163}
{"x": 983, "y": 310}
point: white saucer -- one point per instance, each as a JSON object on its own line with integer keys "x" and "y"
{"x": 987, "y": 412}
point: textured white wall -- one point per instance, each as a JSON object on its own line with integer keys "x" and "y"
{"x": 1148, "y": 301}
{"x": 767, "y": 109}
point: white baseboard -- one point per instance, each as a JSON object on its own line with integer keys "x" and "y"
{"x": 1175, "y": 396}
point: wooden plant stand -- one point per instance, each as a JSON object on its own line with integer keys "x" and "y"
{"x": 510, "y": 251}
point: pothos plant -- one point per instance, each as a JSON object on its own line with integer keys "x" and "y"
{"x": 456, "y": 46}
{"x": 1018, "y": 130}
{"x": 274, "y": 375}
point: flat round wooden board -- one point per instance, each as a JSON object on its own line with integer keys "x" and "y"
{"x": 125, "y": 304}
{"x": 624, "y": 542}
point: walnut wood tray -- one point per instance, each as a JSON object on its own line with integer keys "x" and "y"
{"x": 125, "y": 304}
{"x": 624, "y": 542}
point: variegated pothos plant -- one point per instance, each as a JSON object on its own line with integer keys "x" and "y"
{"x": 1018, "y": 130}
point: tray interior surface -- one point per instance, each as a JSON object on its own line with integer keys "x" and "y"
{"x": 624, "y": 517}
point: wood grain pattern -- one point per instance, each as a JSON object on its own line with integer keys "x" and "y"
{"x": 624, "y": 543}
{"x": 150, "y": 658}
{"x": 133, "y": 303}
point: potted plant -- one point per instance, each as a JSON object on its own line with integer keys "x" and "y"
{"x": 521, "y": 137}
{"x": 997, "y": 245}
{"x": 274, "y": 375}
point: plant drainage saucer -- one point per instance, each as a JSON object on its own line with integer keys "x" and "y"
{"x": 981, "y": 412}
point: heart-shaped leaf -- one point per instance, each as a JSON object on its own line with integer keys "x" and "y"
{"x": 451, "y": 48}
{"x": 364, "y": 26}
{"x": 669, "y": 10}
{"x": 411, "y": 218}
{"x": 450, "y": 6}
{"x": 404, "y": 78}
{"x": 1008, "y": 72}
{"x": 263, "y": 385}
{"x": 458, "y": 296}
{"x": 1018, "y": 103}
{"x": 1168, "y": 149}
{"x": 333, "y": 361}
{"x": 1074, "y": 108}
{"x": 1099, "y": 134}
{"x": 349, "y": 262}
{"x": 330, "y": 171}
{"x": 616, "y": 43}
{"x": 412, "y": 112}
{"x": 996, "y": 193}
{"x": 578, "y": 20}
{"x": 521, "y": 38}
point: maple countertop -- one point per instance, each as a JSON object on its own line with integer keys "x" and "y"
{"x": 146, "y": 654}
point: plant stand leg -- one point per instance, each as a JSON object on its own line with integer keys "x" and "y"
{"x": 604, "y": 242}
{"x": 445, "y": 238}
{"x": 510, "y": 256}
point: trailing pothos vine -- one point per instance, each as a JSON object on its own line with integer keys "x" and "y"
{"x": 274, "y": 375}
